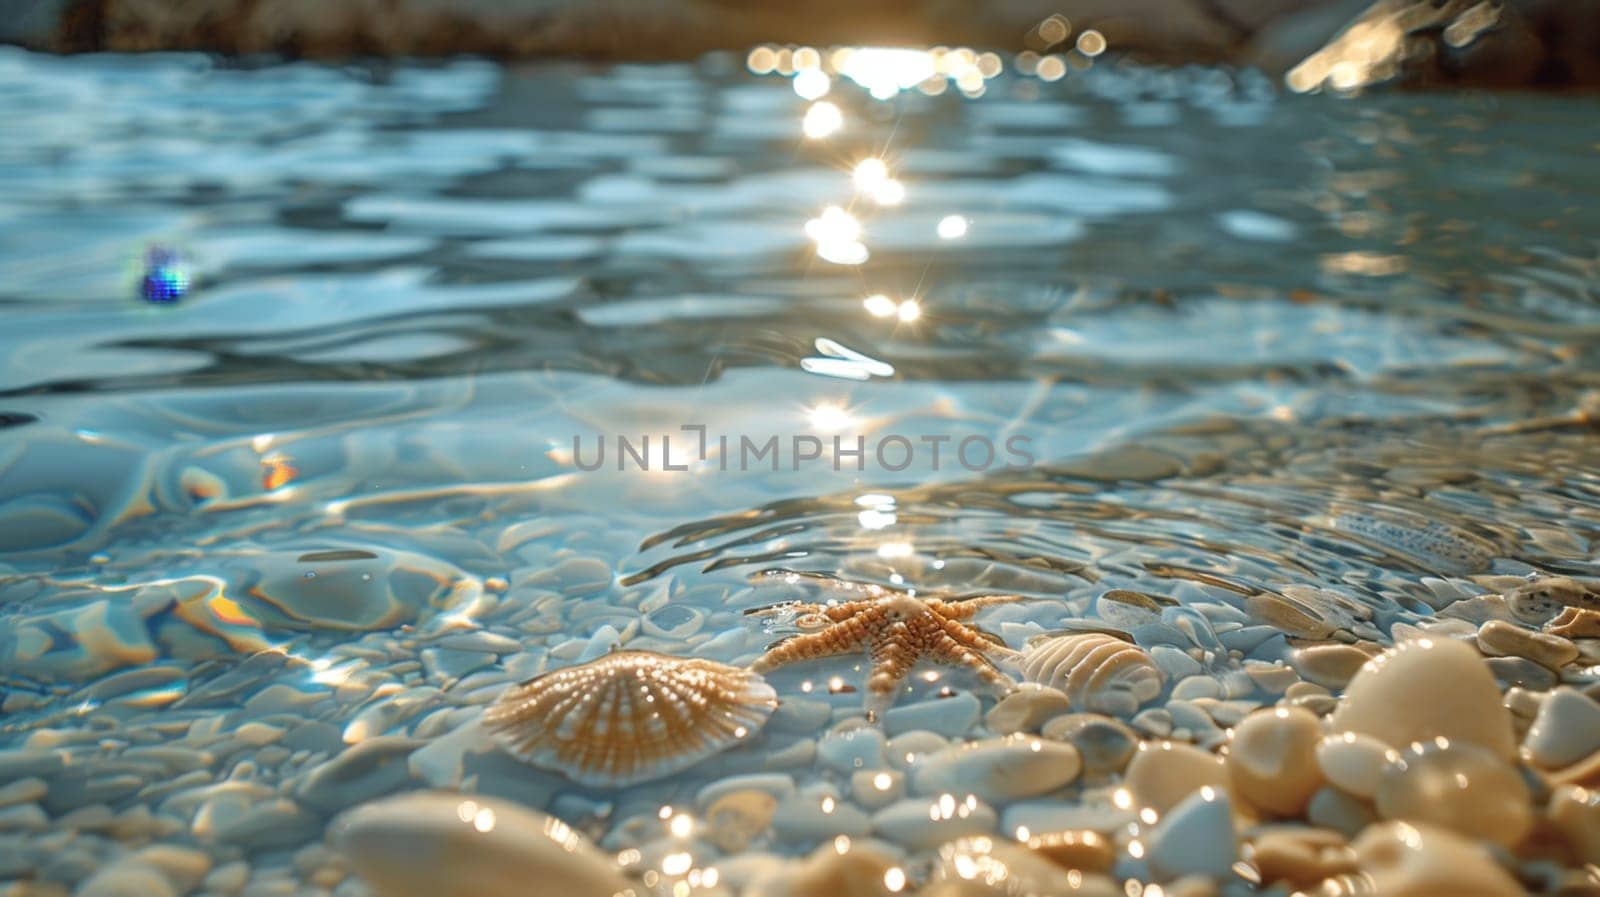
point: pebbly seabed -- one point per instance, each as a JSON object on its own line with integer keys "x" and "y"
{"x": 1300, "y": 587}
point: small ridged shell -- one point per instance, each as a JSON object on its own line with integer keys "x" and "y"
{"x": 1098, "y": 672}
{"x": 630, "y": 716}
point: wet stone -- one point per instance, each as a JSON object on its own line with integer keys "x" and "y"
{"x": 951, "y": 717}
{"x": 1500, "y": 638}
{"x": 365, "y": 771}
{"x": 922, "y": 824}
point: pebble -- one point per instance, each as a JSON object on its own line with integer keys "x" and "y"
{"x": 17, "y": 763}
{"x": 999, "y": 862}
{"x": 1104, "y": 744}
{"x": 1522, "y": 672}
{"x": 856, "y": 871}
{"x": 228, "y": 879}
{"x": 184, "y": 867}
{"x": 848, "y": 751}
{"x": 1026, "y": 709}
{"x": 951, "y": 717}
{"x": 23, "y": 791}
{"x": 779, "y": 785}
{"x": 799, "y": 716}
{"x": 1272, "y": 761}
{"x": 276, "y": 823}
{"x": 366, "y": 771}
{"x": 1354, "y": 763}
{"x": 127, "y": 878}
{"x": 1424, "y": 689}
{"x": 1497, "y": 637}
{"x": 1458, "y": 786}
{"x": 1565, "y": 730}
{"x": 1196, "y": 838}
{"x": 1575, "y": 813}
{"x": 875, "y": 789}
{"x": 924, "y": 824}
{"x": 904, "y": 750}
{"x": 807, "y": 818}
{"x": 739, "y": 817}
{"x": 1333, "y": 809}
{"x": 998, "y": 769}
{"x": 1196, "y": 687}
{"x": 1084, "y": 850}
{"x": 23, "y": 818}
{"x": 1332, "y": 665}
{"x": 1175, "y": 662}
{"x": 1273, "y": 678}
{"x": 1065, "y": 815}
{"x": 1300, "y": 856}
{"x": 1404, "y": 859}
{"x": 439, "y": 844}
{"x": 1162, "y": 774}
{"x": 1155, "y": 722}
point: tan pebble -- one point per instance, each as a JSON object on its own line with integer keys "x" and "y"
{"x": 1289, "y": 616}
{"x": 1300, "y": 856}
{"x": 1497, "y": 637}
{"x": 328, "y": 877}
{"x": 1458, "y": 786}
{"x": 1333, "y": 809}
{"x": 229, "y": 878}
{"x": 1161, "y": 774}
{"x": 1424, "y": 689}
{"x": 739, "y": 817}
{"x": 1191, "y": 886}
{"x": 1522, "y": 703}
{"x": 1575, "y": 622}
{"x": 857, "y": 872}
{"x": 1329, "y": 665}
{"x": 185, "y": 867}
{"x": 1419, "y": 860}
{"x": 1565, "y": 730}
{"x": 1316, "y": 705}
{"x": 877, "y": 788}
{"x": 1087, "y": 851}
{"x": 1300, "y": 689}
{"x": 1585, "y": 772}
{"x": 1104, "y": 744}
{"x": 1272, "y": 678}
{"x": 1026, "y": 709}
{"x": 1355, "y": 763}
{"x": 1272, "y": 760}
{"x": 1575, "y": 813}
{"x": 996, "y": 860}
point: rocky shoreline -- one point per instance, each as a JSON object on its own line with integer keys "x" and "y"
{"x": 1493, "y": 43}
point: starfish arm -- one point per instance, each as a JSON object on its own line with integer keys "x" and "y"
{"x": 950, "y": 651}
{"x": 892, "y": 661}
{"x": 966, "y": 608}
{"x": 840, "y": 638}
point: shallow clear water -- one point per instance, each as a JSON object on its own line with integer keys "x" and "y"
{"x": 1252, "y": 340}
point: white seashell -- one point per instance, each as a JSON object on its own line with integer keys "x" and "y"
{"x": 630, "y": 716}
{"x": 1098, "y": 672}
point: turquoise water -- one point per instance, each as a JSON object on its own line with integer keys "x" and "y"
{"x": 1251, "y": 340}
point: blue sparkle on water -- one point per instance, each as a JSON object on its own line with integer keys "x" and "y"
{"x": 166, "y": 278}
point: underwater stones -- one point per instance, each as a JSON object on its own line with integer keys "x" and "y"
{"x": 998, "y": 769}
{"x": 630, "y": 716}
{"x": 875, "y": 789}
{"x": 737, "y": 818}
{"x": 439, "y": 844}
{"x": 1272, "y": 760}
{"x": 1096, "y": 671}
{"x": 1162, "y": 774}
{"x": 922, "y": 824}
{"x": 1026, "y": 709}
{"x": 1575, "y": 813}
{"x": 1407, "y": 859}
{"x": 1499, "y": 638}
{"x": 1565, "y": 730}
{"x": 950, "y": 717}
{"x": 848, "y": 751}
{"x": 1330, "y": 665}
{"x": 1195, "y": 838}
{"x": 1104, "y": 744}
{"x": 810, "y": 818}
{"x": 360, "y": 773}
{"x": 1300, "y": 856}
{"x": 274, "y": 823}
{"x": 1423, "y": 689}
{"x": 1083, "y": 849}
{"x": 1354, "y": 763}
{"x": 1457, "y": 786}
{"x": 857, "y": 870}
{"x": 352, "y": 589}
{"x": 1005, "y": 867}
{"x": 1575, "y": 622}
{"x": 127, "y": 878}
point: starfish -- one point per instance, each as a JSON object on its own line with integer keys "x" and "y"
{"x": 898, "y": 629}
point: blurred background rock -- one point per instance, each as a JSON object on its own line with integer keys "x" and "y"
{"x": 1345, "y": 44}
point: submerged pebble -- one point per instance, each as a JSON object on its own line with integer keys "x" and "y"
{"x": 1429, "y": 688}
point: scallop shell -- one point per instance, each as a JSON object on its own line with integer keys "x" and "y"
{"x": 630, "y": 716}
{"x": 1098, "y": 672}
